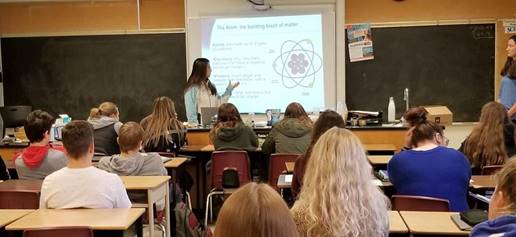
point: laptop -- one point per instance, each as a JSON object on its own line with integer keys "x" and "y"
{"x": 207, "y": 113}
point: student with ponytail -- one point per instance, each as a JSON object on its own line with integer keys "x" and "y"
{"x": 104, "y": 120}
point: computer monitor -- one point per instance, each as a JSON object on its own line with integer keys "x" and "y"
{"x": 14, "y": 116}
{"x": 207, "y": 114}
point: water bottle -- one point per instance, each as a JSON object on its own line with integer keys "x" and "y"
{"x": 391, "y": 110}
{"x": 251, "y": 118}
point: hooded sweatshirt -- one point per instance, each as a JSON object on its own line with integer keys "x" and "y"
{"x": 106, "y": 132}
{"x": 290, "y": 135}
{"x": 139, "y": 164}
{"x": 36, "y": 162}
{"x": 238, "y": 137}
{"x": 501, "y": 226}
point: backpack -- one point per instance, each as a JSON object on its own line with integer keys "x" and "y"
{"x": 187, "y": 224}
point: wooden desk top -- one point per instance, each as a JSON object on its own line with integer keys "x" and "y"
{"x": 396, "y": 223}
{"x": 18, "y": 184}
{"x": 143, "y": 182}
{"x": 175, "y": 162}
{"x": 483, "y": 182}
{"x": 380, "y": 147}
{"x": 96, "y": 219}
{"x": 208, "y": 148}
{"x": 290, "y": 166}
{"x": 379, "y": 160}
{"x": 197, "y": 148}
{"x": 436, "y": 223}
{"x": 10, "y": 215}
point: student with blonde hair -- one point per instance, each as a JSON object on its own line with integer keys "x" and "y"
{"x": 105, "y": 122}
{"x": 163, "y": 131}
{"x": 255, "y": 210}
{"x": 502, "y": 207}
{"x": 338, "y": 197}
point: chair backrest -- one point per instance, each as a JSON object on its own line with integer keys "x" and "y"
{"x": 222, "y": 160}
{"x": 419, "y": 203}
{"x": 277, "y": 166}
{"x": 59, "y": 232}
{"x": 23, "y": 199}
{"x": 490, "y": 169}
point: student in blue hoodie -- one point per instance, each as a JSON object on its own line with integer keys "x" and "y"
{"x": 502, "y": 208}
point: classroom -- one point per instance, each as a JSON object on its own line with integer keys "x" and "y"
{"x": 316, "y": 117}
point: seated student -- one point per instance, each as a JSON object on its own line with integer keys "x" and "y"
{"x": 291, "y": 134}
{"x": 229, "y": 132}
{"x": 265, "y": 215}
{"x": 80, "y": 185}
{"x": 338, "y": 197}
{"x": 327, "y": 119}
{"x": 40, "y": 158}
{"x": 106, "y": 125}
{"x": 502, "y": 208}
{"x": 163, "y": 131}
{"x": 429, "y": 169}
{"x": 413, "y": 117}
{"x": 492, "y": 140}
{"x": 4, "y": 173}
{"x": 130, "y": 162}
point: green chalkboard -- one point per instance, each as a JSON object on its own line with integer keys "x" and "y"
{"x": 450, "y": 65}
{"x": 71, "y": 74}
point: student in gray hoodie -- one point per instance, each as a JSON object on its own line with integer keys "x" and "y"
{"x": 292, "y": 134}
{"x": 106, "y": 124}
{"x": 130, "y": 162}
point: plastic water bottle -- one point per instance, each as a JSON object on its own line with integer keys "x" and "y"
{"x": 251, "y": 118}
{"x": 391, "y": 110}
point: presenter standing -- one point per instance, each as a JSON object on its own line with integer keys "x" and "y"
{"x": 507, "y": 95}
{"x": 200, "y": 92}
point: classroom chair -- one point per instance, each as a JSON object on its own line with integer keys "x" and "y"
{"x": 59, "y": 232}
{"x": 490, "y": 169}
{"x": 277, "y": 166}
{"x": 19, "y": 199}
{"x": 224, "y": 161}
{"x": 419, "y": 203}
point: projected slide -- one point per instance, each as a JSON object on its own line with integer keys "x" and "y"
{"x": 276, "y": 59}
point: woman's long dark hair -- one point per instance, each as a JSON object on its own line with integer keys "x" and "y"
{"x": 198, "y": 75}
{"x": 509, "y": 69}
{"x": 227, "y": 116}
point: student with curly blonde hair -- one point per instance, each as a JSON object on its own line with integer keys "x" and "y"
{"x": 502, "y": 207}
{"x": 338, "y": 197}
{"x": 255, "y": 210}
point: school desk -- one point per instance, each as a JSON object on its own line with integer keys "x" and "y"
{"x": 395, "y": 136}
{"x": 396, "y": 223}
{"x": 379, "y": 160}
{"x": 115, "y": 221}
{"x": 285, "y": 181}
{"x": 378, "y": 147}
{"x": 157, "y": 189}
{"x": 8, "y": 216}
{"x": 483, "y": 182}
{"x": 431, "y": 223}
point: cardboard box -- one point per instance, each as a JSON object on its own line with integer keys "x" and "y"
{"x": 439, "y": 114}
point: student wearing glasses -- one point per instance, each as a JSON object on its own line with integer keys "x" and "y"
{"x": 492, "y": 140}
{"x": 430, "y": 168}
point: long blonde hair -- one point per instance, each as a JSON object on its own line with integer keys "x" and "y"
{"x": 338, "y": 194}
{"x": 506, "y": 182}
{"x": 486, "y": 145}
{"x": 105, "y": 109}
{"x": 162, "y": 121}
{"x": 255, "y": 210}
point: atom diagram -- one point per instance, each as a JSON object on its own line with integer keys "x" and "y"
{"x": 297, "y": 64}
